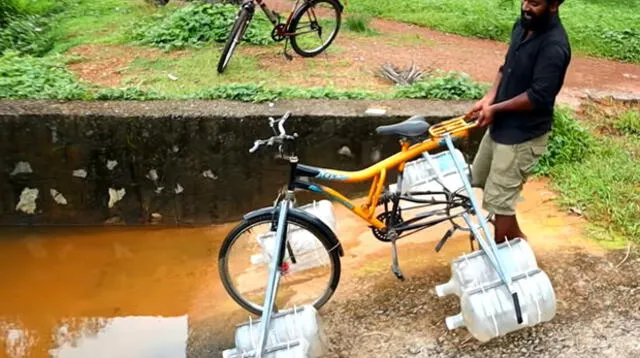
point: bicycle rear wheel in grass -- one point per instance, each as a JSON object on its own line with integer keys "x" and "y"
{"x": 237, "y": 32}
{"x": 245, "y": 256}
{"x": 314, "y": 26}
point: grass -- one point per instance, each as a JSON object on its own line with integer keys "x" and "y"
{"x": 102, "y": 22}
{"x": 604, "y": 28}
{"x": 603, "y": 180}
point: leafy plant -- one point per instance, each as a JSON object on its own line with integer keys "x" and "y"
{"x": 451, "y": 86}
{"x": 199, "y": 23}
{"x": 28, "y": 34}
{"x": 568, "y": 143}
{"x": 628, "y": 123}
{"x": 28, "y": 77}
{"x": 8, "y": 11}
{"x": 625, "y": 44}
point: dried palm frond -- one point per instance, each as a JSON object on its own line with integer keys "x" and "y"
{"x": 400, "y": 76}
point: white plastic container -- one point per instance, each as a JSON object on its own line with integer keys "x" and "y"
{"x": 287, "y": 326}
{"x": 488, "y": 311}
{"x": 299, "y": 350}
{"x": 420, "y": 175}
{"x": 306, "y": 247}
{"x": 426, "y": 169}
{"x": 475, "y": 269}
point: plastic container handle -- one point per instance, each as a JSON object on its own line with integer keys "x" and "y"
{"x": 516, "y": 303}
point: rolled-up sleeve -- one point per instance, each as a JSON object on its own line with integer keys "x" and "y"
{"x": 548, "y": 75}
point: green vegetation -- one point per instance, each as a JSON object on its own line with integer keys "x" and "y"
{"x": 359, "y": 24}
{"x": 629, "y": 123}
{"x": 597, "y": 174}
{"x": 607, "y": 28}
{"x": 450, "y": 86}
{"x": 569, "y": 143}
{"x": 200, "y": 23}
{"x": 24, "y": 76}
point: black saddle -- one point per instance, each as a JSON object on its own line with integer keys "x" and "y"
{"x": 412, "y": 127}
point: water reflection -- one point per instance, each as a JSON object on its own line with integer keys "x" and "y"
{"x": 142, "y": 336}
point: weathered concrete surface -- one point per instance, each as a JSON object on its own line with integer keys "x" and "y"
{"x": 187, "y": 161}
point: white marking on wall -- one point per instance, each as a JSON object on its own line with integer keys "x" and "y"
{"x": 159, "y": 189}
{"x": 209, "y": 174}
{"x": 179, "y": 189}
{"x": 115, "y": 196}
{"x": 375, "y": 155}
{"x": 111, "y": 164}
{"x": 152, "y": 175}
{"x": 54, "y": 134}
{"x": 345, "y": 151}
{"x": 22, "y": 168}
{"x": 175, "y": 149}
{"x": 80, "y": 173}
{"x": 27, "y": 203}
{"x": 58, "y": 197}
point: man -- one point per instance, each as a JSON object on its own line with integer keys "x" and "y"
{"x": 519, "y": 111}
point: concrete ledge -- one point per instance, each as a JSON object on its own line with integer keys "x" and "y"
{"x": 233, "y": 109}
{"x": 178, "y": 162}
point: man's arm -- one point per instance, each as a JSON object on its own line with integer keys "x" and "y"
{"x": 548, "y": 78}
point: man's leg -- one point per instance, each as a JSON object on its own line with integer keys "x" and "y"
{"x": 509, "y": 171}
{"x": 482, "y": 162}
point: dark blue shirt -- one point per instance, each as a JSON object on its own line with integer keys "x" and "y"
{"x": 536, "y": 66}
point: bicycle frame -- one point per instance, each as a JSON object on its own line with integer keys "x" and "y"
{"x": 457, "y": 128}
{"x": 275, "y": 20}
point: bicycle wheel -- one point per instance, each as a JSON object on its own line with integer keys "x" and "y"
{"x": 244, "y": 259}
{"x": 314, "y": 26}
{"x": 237, "y": 31}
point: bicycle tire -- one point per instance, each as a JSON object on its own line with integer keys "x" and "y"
{"x": 300, "y": 13}
{"x": 292, "y": 217}
{"x": 237, "y": 32}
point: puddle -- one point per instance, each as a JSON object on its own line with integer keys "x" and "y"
{"x": 155, "y": 292}
{"x": 76, "y": 292}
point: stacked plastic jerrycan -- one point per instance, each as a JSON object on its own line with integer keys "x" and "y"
{"x": 301, "y": 240}
{"x": 292, "y": 334}
{"x": 432, "y": 173}
{"x": 501, "y": 289}
{"x": 487, "y": 308}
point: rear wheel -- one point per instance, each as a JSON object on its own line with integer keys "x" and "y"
{"x": 237, "y": 31}
{"x": 314, "y": 26}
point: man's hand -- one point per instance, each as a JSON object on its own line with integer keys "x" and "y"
{"x": 486, "y": 115}
{"x": 477, "y": 108}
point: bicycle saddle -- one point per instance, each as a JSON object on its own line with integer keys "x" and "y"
{"x": 412, "y": 127}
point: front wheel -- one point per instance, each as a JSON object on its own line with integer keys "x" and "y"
{"x": 237, "y": 31}
{"x": 245, "y": 257}
{"x": 314, "y": 26}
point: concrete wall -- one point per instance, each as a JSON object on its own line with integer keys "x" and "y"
{"x": 176, "y": 162}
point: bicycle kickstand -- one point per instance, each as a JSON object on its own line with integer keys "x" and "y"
{"x": 395, "y": 266}
{"x": 286, "y": 54}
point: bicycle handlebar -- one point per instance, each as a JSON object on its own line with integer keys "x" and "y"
{"x": 279, "y": 138}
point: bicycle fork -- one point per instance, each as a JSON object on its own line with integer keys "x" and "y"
{"x": 274, "y": 274}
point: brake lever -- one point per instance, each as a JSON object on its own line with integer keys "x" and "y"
{"x": 281, "y": 123}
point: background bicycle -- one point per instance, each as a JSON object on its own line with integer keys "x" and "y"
{"x": 311, "y": 27}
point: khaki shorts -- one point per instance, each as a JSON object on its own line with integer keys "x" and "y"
{"x": 501, "y": 171}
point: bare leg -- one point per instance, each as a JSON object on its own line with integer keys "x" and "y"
{"x": 506, "y": 226}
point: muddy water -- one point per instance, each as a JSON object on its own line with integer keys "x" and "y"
{"x": 78, "y": 292}
{"x": 127, "y": 292}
